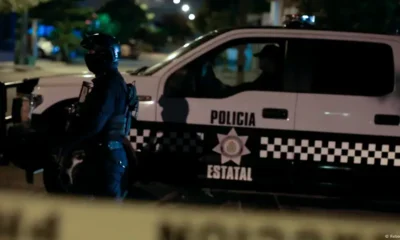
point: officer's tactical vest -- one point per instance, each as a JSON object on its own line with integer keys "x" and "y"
{"x": 120, "y": 125}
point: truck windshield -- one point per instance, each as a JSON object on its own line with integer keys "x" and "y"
{"x": 181, "y": 51}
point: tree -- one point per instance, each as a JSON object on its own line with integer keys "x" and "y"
{"x": 66, "y": 16}
{"x": 18, "y": 6}
{"x": 102, "y": 23}
{"x": 21, "y": 7}
{"x": 176, "y": 26}
{"x": 127, "y": 15}
{"x": 215, "y": 14}
{"x": 355, "y": 15}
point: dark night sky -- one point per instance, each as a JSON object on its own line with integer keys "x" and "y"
{"x": 95, "y": 3}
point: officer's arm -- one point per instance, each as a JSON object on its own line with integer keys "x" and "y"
{"x": 98, "y": 108}
{"x": 95, "y": 111}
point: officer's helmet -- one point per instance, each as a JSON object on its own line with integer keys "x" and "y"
{"x": 103, "y": 46}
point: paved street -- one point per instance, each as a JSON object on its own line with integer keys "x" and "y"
{"x": 12, "y": 178}
{"x": 8, "y": 71}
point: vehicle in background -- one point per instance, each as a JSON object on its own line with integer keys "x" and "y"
{"x": 46, "y": 49}
{"x": 130, "y": 50}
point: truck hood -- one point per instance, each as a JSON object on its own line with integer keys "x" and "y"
{"x": 59, "y": 88}
{"x": 76, "y": 79}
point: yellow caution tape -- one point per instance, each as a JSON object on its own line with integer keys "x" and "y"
{"x": 41, "y": 218}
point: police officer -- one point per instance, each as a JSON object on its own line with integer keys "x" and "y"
{"x": 103, "y": 122}
{"x": 270, "y": 66}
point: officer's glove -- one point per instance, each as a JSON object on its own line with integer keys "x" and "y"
{"x": 65, "y": 156}
{"x": 68, "y": 161}
{"x": 77, "y": 158}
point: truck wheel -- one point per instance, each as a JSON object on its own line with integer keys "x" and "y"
{"x": 55, "y": 119}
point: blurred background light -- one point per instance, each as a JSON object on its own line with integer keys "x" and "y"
{"x": 185, "y": 8}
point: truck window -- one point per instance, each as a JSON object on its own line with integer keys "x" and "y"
{"x": 237, "y": 66}
{"x": 341, "y": 67}
{"x": 182, "y": 51}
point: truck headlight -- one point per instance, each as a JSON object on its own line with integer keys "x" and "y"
{"x": 23, "y": 106}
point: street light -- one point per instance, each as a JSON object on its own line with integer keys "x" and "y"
{"x": 185, "y": 8}
{"x": 192, "y": 16}
{"x": 177, "y": 1}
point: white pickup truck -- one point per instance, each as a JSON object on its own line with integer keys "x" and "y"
{"x": 332, "y": 128}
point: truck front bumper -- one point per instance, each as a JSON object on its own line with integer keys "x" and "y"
{"x": 26, "y": 148}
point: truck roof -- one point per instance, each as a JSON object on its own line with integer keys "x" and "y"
{"x": 313, "y": 30}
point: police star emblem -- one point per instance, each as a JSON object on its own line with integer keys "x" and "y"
{"x": 231, "y": 147}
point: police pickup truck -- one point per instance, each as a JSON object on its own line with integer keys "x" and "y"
{"x": 331, "y": 128}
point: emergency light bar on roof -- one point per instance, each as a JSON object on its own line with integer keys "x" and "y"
{"x": 300, "y": 17}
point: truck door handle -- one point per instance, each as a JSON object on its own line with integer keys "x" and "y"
{"x": 144, "y": 98}
{"x": 275, "y": 113}
{"x": 387, "y": 119}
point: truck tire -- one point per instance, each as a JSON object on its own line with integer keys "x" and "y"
{"x": 54, "y": 120}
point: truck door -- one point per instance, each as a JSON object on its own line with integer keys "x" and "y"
{"x": 347, "y": 114}
{"x": 238, "y": 112}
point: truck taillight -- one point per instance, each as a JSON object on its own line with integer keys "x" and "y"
{"x": 23, "y": 106}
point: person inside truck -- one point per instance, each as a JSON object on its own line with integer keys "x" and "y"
{"x": 269, "y": 64}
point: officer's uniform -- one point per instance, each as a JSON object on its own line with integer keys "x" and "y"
{"x": 102, "y": 125}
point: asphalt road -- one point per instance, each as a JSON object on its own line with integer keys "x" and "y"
{"x": 12, "y": 178}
